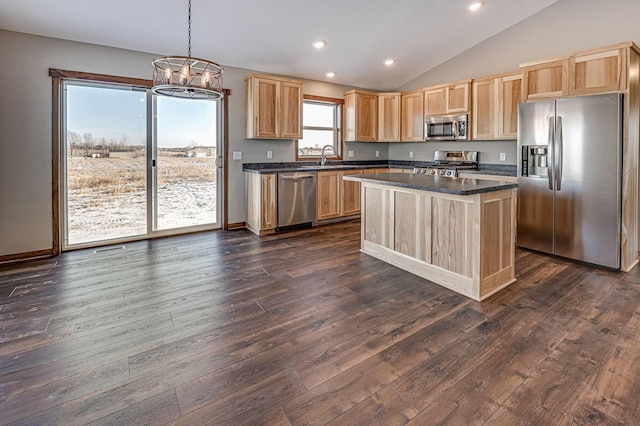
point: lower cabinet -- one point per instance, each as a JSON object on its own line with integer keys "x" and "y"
{"x": 350, "y": 194}
{"x": 328, "y": 194}
{"x": 335, "y": 196}
{"x": 261, "y": 202}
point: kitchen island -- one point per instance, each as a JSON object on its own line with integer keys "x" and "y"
{"x": 456, "y": 232}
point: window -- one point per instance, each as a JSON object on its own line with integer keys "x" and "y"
{"x": 137, "y": 165}
{"x": 320, "y": 127}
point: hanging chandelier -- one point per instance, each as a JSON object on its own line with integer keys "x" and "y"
{"x": 187, "y": 77}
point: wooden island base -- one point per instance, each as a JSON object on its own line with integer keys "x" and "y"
{"x": 463, "y": 242}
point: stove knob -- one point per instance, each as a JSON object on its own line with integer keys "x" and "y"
{"x": 433, "y": 172}
{"x": 443, "y": 172}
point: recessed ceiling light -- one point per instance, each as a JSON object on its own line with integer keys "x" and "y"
{"x": 330, "y": 74}
{"x": 474, "y": 5}
{"x": 319, "y": 44}
{"x": 389, "y": 61}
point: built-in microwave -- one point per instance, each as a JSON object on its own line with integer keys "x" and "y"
{"x": 446, "y": 128}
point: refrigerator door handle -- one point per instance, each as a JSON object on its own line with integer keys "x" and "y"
{"x": 559, "y": 154}
{"x": 550, "y": 154}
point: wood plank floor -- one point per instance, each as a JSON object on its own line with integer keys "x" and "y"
{"x": 301, "y": 328}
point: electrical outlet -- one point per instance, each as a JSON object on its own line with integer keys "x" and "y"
{"x": 410, "y": 154}
{"x": 237, "y": 155}
{"x": 269, "y": 154}
{"x": 503, "y": 156}
{"x": 351, "y": 154}
{"x": 377, "y": 153}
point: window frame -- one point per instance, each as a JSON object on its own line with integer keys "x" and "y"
{"x": 337, "y": 129}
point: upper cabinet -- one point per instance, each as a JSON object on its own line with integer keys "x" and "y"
{"x": 603, "y": 70}
{"x": 389, "y": 117}
{"x": 495, "y": 106}
{"x": 447, "y": 98}
{"x": 412, "y": 116}
{"x": 594, "y": 71}
{"x": 273, "y": 107}
{"x": 360, "y": 116}
{"x": 546, "y": 80}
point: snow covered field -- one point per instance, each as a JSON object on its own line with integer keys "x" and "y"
{"x": 107, "y": 196}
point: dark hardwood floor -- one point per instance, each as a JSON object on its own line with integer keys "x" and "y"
{"x": 301, "y": 328}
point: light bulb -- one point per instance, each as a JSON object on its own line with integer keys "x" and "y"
{"x": 474, "y": 5}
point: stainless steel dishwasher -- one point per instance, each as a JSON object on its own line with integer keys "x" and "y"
{"x": 296, "y": 198}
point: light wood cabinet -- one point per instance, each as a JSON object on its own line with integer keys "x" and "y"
{"x": 412, "y": 116}
{"x": 389, "y": 117}
{"x": 360, "y": 116}
{"x": 261, "y": 202}
{"x": 336, "y": 197}
{"x": 447, "y": 99}
{"x": 350, "y": 194}
{"x": 593, "y": 71}
{"x": 545, "y": 80}
{"x": 273, "y": 108}
{"x": 603, "y": 70}
{"x": 495, "y": 107}
{"x": 328, "y": 194}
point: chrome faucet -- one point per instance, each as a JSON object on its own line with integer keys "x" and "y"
{"x": 323, "y": 161}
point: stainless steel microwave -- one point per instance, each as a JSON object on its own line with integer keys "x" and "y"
{"x": 446, "y": 128}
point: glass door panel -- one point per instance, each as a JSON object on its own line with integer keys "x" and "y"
{"x": 186, "y": 175}
{"x": 105, "y": 188}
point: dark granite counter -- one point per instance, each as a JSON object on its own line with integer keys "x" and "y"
{"x": 447, "y": 185}
{"x": 262, "y": 168}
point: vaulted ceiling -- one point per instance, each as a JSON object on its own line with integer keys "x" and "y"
{"x": 275, "y": 36}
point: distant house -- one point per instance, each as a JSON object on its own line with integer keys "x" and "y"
{"x": 200, "y": 152}
{"x": 123, "y": 154}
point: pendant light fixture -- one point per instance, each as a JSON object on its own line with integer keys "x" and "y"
{"x": 187, "y": 77}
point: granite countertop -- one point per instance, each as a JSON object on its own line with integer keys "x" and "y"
{"x": 493, "y": 170}
{"x": 262, "y": 168}
{"x": 265, "y": 168}
{"x": 430, "y": 183}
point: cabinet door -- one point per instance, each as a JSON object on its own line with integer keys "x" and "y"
{"x": 327, "y": 195}
{"x": 360, "y": 116}
{"x": 265, "y": 108}
{"x": 366, "y": 117}
{"x": 599, "y": 72}
{"x": 290, "y": 111}
{"x": 350, "y": 194}
{"x": 412, "y": 117}
{"x": 435, "y": 101}
{"x": 546, "y": 80}
{"x": 509, "y": 96}
{"x": 484, "y": 117}
{"x": 268, "y": 203}
{"x": 458, "y": 98}
{"x": 389, "y": 117}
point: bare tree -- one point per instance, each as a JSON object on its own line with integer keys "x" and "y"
{"x": 73, "y": 141}
{"x": 88, "y": 143}
{"x": 124, "y": 141}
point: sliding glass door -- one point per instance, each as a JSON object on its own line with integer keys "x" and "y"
{"x": 136, "y": 165}
{"x": 186, "y": 163}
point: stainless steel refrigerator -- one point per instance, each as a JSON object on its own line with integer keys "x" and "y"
{"x": 569, "y": 175}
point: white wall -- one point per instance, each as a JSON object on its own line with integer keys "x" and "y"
{"x": 565, "y": 27}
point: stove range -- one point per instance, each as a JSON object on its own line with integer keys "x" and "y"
{"x": 447, "y": 163}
